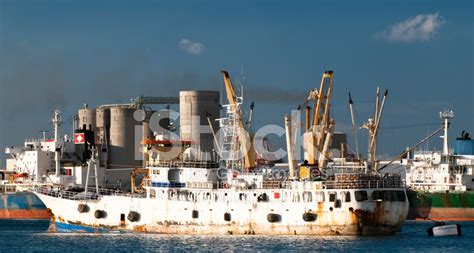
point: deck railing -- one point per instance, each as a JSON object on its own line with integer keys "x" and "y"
{"x": 91, "y": 194}
{"x": 275, "y": 184}
{"x": 7, "y": 188}
{"x": 364, "y": 184}
{"x": 16, "y": 187}
{"x": 185, "y": 164}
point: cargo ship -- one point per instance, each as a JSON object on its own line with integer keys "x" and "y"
{"x": 441, "y": 183}
{"x": 187, "y": 192}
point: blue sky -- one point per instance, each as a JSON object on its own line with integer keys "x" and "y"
{"x": 65, "y": 53}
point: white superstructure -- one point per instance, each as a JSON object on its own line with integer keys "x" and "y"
{"x": 55, "y": 161}
{"x": 39, "y": 160}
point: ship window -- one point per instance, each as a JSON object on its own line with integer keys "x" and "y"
{"x": 296, "y": 197}
{"x": 262, "y": 197}
{"x": 383, "y": 195}
{"x": 307, "y": 196}
{"x": 346, "y": 196}
{"x": 152, "y": 193}
{"x": 319, "y": 196}
{"x": 332, "y": 196}
{"x": 377, "y": 195}
{"x": 361, "y": 196}
{"x": 399, "y": 196}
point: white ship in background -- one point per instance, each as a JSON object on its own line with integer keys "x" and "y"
{"x": 440, "y": 171}
{"x": 64, "y": 161}
{"x": 187, "y": 195}
{"x": 441, "y": 183}
{"x": 48, "y": 162}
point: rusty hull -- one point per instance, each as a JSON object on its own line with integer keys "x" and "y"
{"x": 362, "y": 222}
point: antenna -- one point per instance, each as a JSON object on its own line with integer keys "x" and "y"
{"x": 44, "y": 134}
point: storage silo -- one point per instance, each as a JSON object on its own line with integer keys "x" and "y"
{"x": 87, "y": 118}
{"x": 102, "y": 124}
{"x": 122, "y": 145}
{"x": 102, "y": 133}
{"x": 193, "y": 107}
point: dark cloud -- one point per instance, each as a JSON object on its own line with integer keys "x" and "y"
{"x": 274, "y": 95}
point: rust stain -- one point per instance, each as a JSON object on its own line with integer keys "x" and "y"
{"x": 320, "y": 209}
{"x": 375, "y": 222}
{"x": 354, "y": 218}
{"x": 52, "y": 223}
{"x": 60, "y": 219}
{"x": 140, "y": 228}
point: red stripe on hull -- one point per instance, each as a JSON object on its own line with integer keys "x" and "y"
{"x": 24, "y": 214}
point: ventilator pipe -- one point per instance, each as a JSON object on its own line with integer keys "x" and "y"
{"x": 289, "y": 145}
{"x": 307, "y": 119}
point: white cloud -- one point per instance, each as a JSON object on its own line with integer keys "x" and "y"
{"x": 422, "y": 27}
{"x": 191, "y": 47}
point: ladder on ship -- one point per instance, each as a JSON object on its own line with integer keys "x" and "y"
{"x": 92, "y": 164}
{"x": 230, "y": 151}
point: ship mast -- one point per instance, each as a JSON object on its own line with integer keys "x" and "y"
{"x": 56, "y": 123}
{"x": 354, "y": 127}
{"x": 446, "y": 115}
{"x": 372, "y": 126}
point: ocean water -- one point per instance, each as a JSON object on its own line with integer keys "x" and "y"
{"x": 31, "y": 236}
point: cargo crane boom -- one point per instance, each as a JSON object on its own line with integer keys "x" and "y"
{"x": 245, "y": 135}
{"x": 318, "y": 138}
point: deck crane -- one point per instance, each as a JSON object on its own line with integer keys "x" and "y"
{"x": 245, "y": 134}
{"x": 319, "y": 132}
{"x": 372, "y": 126}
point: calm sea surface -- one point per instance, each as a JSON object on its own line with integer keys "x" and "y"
{"x": 26, "y": 236}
